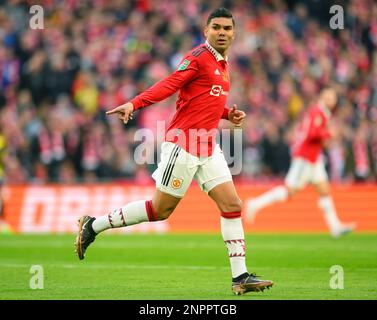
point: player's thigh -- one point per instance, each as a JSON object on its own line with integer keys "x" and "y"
{"x": 175, "y": 170}
{"x": 298, "y": 174}
{"x": 226, "y": 197}
{"x": 213, "y": 171}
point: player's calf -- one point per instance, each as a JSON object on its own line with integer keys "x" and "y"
{"x": 164, "y": 214}
{"x": 163, "y": 204}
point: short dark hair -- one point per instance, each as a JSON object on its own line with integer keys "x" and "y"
{"x": 220, "y": 13}
{"x": 326, "y": 87}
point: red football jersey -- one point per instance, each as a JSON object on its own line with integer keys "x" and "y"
{"x": 311, "y": 133}
{"x": 203, "y": 82}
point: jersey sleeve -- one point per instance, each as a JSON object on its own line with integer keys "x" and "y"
{"x": 318, "y": 130}
{"x": 187, "y": 71}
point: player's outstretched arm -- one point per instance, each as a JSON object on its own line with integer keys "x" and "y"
{"x": 167, "y": 86}
{"x": 236, "y": 116}
{"x": 123, "y": 111}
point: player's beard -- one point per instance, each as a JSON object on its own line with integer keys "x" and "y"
{"x": 222, "y": 47}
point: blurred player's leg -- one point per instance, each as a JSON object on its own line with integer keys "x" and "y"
{"x": 326, "y": 203}
{"x": 228, "y": 202}
{"x": 277, "y": 194}
{"x": 296, "y": 179}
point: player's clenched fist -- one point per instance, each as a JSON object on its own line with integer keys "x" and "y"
{"x": 124, "y": 111}
{"x": 236, "y": 116}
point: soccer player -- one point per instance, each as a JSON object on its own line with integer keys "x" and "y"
{"x": 307, "y": 165}
{"x": 190, "y": 150}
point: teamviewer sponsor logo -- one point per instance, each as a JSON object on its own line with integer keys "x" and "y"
{"x": 216, "y": 90}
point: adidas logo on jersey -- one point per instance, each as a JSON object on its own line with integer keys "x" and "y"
{"x": 217, "y": 72}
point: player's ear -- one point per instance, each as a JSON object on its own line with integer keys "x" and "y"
{"x": 205, "y": 31}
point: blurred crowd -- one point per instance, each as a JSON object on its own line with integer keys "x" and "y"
{"x": 57, "y": 83}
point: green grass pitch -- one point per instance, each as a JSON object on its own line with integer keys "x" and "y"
{"x": 186, "y": 266}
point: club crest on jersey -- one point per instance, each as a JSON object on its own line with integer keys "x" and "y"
{"x": 184, "y": 65}
{"x": 176, "y": 183}
{"x": 217, "y": 72}
{"x": 216, "y": 90}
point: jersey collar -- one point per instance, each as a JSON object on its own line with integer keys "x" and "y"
{"x": 215, "y": 53}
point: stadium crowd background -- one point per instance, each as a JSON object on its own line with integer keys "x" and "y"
{"x": 56, "y": 83}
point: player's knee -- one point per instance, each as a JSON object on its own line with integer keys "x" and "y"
{"x": 323, "y": 189}
{"x": 292, "y": 192}
{"x": 323, "y": 193}
{"x": 235, "y": 205}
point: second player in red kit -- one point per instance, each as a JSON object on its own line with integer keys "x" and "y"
{"x": 307, "y": 166}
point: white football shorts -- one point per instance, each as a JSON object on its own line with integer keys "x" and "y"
{"x": 177, "y": 168}
{"x": 302, "y": 172}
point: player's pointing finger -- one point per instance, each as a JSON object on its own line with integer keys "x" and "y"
{"x": 115, "y": 110}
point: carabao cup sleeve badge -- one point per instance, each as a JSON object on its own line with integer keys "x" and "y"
{"x": 184, "y": 65}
